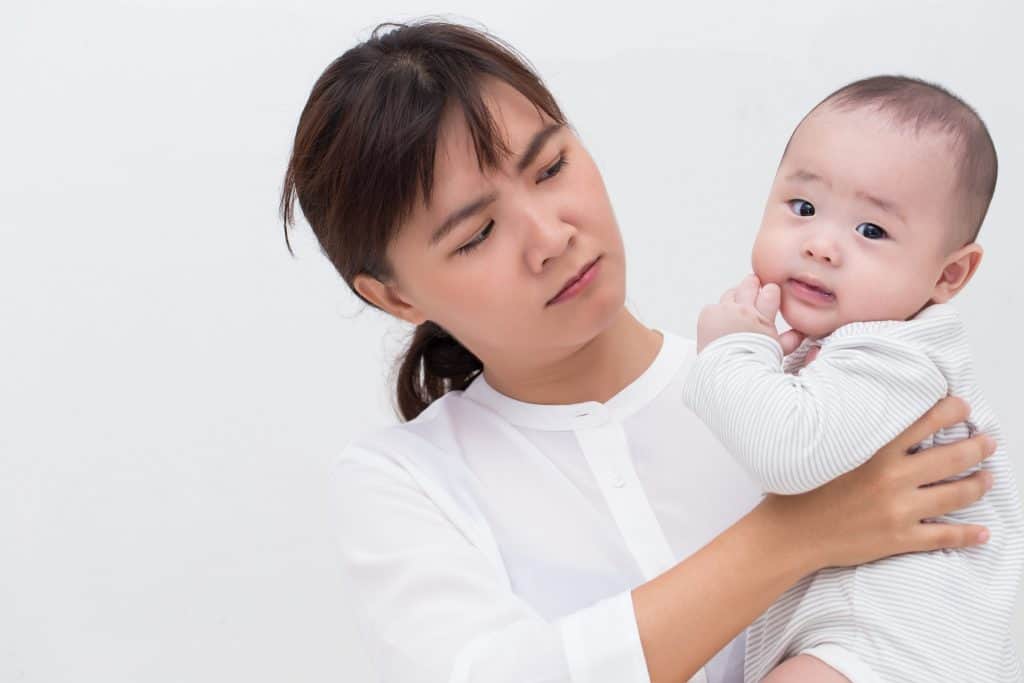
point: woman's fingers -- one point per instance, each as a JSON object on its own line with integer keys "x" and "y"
{"x": 939, "y": 462}
{"x": 728, "y": 296}
{"x": 946, "y": 413}
{"x": 941, "y": 535}
{"x": 942, "y": 499}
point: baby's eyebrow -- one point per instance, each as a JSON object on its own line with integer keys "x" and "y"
{"x": 807, "y": 176}
{"x": 885, "y": 205}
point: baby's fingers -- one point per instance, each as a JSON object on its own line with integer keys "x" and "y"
{"x": 768, "y": 299}
{"x": 746, "y": 292}
{"x": 790, "y": 340}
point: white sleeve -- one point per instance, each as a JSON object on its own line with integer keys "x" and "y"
{"x": 437, "y": 610}
{"x": 793, "y": 433}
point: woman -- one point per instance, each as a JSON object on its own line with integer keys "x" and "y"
{"x": 549, "y": 511}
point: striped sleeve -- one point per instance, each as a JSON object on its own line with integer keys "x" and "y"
{"x": 792, "y": 432}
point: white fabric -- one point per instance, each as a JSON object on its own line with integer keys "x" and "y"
{"x": 491, "y": 540}
{"x": 939, "y": 616}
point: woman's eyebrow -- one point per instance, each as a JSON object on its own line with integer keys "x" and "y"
{"x": 532, "y": 150}
{"x": 456, "y": 218}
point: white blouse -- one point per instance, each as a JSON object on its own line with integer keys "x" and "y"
{"x": 492, "y": 540}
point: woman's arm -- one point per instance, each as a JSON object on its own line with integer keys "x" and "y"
{"x": 439, "y": 611}
{"x": 694, "y": 609}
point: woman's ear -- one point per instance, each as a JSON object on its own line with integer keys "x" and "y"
{"x": 956, "y": 273}
{"x": 386, "y": 297}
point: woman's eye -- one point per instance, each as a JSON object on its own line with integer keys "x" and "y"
{"x": 473, "y": 243}
{"x": 554, "y": 169}
{"x": 801, "y": 207}
{"x": 871, "y": 231}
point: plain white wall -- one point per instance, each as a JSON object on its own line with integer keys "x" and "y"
{"x": 173, "y": 385}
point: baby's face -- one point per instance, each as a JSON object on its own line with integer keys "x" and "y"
{"x": 858, "y": 222}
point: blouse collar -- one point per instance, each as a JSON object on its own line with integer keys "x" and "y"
{"x": 674, "y": 352}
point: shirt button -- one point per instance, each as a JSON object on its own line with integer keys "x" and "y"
{"x": 618, "y": 482}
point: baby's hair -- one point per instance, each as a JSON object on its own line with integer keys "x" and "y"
{"x": 923, "y": 105}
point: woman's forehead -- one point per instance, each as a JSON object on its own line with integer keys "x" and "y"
{"x": 459, "y": 174}
{"x": 516, "y": 120}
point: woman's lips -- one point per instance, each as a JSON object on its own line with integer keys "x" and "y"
{"x": 809, "y": 293}
{"x": 578, "y": 283}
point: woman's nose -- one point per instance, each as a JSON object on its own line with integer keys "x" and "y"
{"x": 547, "y": 238}
{"x": 822, "y": 248}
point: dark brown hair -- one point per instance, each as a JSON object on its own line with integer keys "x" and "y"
{"x": 364, "y": 155}
{"x": 922, "y": 105}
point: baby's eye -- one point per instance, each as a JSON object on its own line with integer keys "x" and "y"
{"x": 871, "y": 231}
{"x": 801, "y": 207}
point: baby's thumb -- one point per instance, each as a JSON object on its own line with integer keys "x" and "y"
{"x": 768, "y": 300}
{"x": 789, "y": 340}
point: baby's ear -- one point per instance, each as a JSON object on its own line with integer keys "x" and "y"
{"x": 959, "y": 268}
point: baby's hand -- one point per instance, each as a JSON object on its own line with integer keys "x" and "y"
{"x": 748, "y": 307}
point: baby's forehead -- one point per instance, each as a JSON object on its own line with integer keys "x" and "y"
{"x": 869, "y": 120}
{"x": 886, "y": 149}
{"x": 917, "y": 121}
{"x": 884, "y": 165}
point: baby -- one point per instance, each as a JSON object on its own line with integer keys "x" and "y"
{"x": 868, "y": 232}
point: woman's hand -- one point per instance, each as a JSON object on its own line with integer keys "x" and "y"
{"x": 868, "y": 513}
{"x": 876, "y": 510}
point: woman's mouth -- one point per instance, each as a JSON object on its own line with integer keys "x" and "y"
{"x": 810, "y": 292}
{"x": 577, "y": 283}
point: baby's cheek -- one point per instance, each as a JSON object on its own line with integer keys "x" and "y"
{"x": 766, "y": 260}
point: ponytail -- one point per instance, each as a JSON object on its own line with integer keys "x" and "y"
{"x": 433, "y": 364}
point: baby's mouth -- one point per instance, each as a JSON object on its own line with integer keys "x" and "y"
{"x": 811, "y": 290}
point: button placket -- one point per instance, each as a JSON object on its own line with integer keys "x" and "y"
{"x": 606, "y": 451}
{"x": 590, "y": 417}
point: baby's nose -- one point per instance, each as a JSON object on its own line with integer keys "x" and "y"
{"x": 822, "y": 250}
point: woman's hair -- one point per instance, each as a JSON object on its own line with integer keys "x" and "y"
{"x": 364, "y": 154}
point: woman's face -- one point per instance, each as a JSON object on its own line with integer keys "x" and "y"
{"x": 515, "y": 237}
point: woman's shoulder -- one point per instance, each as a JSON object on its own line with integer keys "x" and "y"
{"x": 427, "y": 442}
{"x": 415, "y": 464}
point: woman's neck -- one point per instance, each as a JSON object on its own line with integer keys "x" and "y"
{"x": 595, "y": 371}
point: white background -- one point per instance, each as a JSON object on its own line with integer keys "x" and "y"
{"x": 173, "y": 384}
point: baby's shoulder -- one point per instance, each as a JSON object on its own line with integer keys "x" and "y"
{"x": 935, "y": 325}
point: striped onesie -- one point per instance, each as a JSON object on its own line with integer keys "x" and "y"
{"x": 943, "y": 615}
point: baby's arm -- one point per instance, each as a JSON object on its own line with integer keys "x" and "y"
{"x": 793, "y": 433}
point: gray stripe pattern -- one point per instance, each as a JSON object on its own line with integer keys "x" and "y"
{"x": 936, "y": 616}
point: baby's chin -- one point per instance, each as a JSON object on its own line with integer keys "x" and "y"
{"x": 808, "y": 320}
